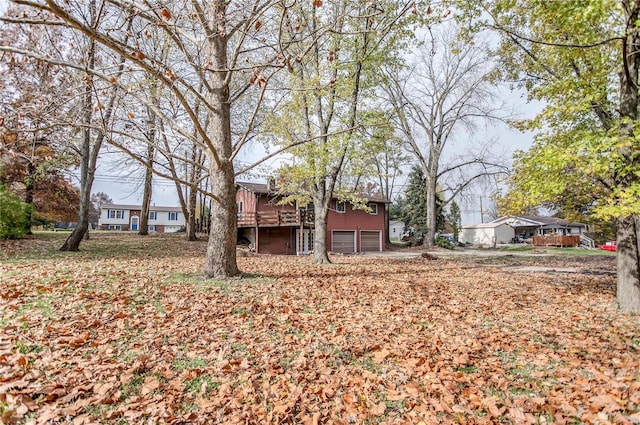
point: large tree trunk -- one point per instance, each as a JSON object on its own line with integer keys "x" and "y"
{"x": 320, "y": 255}
{"x": 432, "y": 212}
{"x": 87, "y": 172}
{"x": 628, "y": 261}
{"x": 220, "y": 261}
{"x": 87, "y": 158}
{"x": 627, "y": 244}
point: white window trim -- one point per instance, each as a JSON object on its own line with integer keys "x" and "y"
{"x": 153, "y": 215}
{"x": 115, "y": 214}
{"x": 343, "y": 205}
{"x": 175, "y": 215}
{"x": 374, "y": 208}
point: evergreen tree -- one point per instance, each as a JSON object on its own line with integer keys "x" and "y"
{"x": 414, "y": 211}
{"x": 455, "y": 219}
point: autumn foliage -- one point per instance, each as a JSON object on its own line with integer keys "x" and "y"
{"x": 29, "y": 170}
{"x": 128, "y": 331}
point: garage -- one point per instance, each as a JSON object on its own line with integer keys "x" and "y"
{"x": 370, "y": 241}
{"x": 343, "y": 241}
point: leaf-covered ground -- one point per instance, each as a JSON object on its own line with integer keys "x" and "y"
{"x": 128, "y": 331}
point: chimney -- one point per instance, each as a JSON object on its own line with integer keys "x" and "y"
{"x": 271, "y": 184}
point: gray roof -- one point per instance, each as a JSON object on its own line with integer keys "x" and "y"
{"x": 262, "y": 189}
{"x": 257, "y": 188}
{"x": 552, "y": 221}
{"x": 138, "y": 207}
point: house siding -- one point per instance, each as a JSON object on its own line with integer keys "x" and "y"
{"x": 357, "y": 221}
{"x": 276, "y": 240}
{"x": 501, "y": 234}
{"x": 282, "y": 240}
{"x": 161, "y": 222}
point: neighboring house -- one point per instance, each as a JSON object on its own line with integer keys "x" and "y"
{"x": 396, "y": 229}
{"x": 517, "y": 228}
{"x": 288, "y": 229}
{"x": 127, "y": 217}
{"x": 487, "y": 234}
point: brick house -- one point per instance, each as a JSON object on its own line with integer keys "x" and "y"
{"x": 127, "y": 217}
{"x": 288, "y": 229}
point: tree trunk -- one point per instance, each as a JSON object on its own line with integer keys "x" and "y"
{"x": 28, "y": 198}
{"x": 191, "y": 218}
{"x": 220, "y": 261}
{"x": 432, "y": 212}
{"x": 628, "y": 262}
{"x": 320, "y": 255}
{"x": 146, "y": 196}
{"x": 627, "y": 243}
{"x": 387, "y": 237}
{"x": 87, "y": 172}
{"x": 87, "y": 160}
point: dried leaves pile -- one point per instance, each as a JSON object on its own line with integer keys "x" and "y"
{"x": 128, "y": 331}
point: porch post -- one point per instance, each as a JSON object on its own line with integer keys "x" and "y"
{"x": 257, "y": 232}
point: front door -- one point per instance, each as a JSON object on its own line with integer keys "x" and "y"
{"x": 134, "y": 222}
{"x": 304, "y": 241}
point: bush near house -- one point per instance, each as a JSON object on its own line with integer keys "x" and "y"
{"x": 14, "y": 215}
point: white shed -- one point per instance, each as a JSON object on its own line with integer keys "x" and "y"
{"x": 487, "y": 234}
{"x": 396, "y": 229}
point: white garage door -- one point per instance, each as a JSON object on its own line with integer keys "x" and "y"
{"x": 343, "y": 241}
{"x": 370, "y": 241}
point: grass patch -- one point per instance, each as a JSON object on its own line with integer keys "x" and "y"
{"x": 557, "y": 250}
{"x": 203, "y": 384}
{"x": 23, "y": 348}
{"x": 187, "y": 364}
{"x": 468, "y": 369}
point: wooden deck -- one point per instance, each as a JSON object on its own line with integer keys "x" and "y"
{"x": 557, "y": 240}
{"x": 275, "y": 218}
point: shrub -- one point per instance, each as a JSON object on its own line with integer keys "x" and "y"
{"x": 444, "y": 243}
{"x": 14, "y": 215}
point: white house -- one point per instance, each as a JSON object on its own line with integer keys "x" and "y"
{"x": 487, "y": 234}
{"x": 508, "y": 229}
{"x": 396, "y": 229}
{"x": 127, "y": 217}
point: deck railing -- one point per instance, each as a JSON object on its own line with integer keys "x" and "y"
{"x": 275, "y": 218}
{"x": 556, "y": 240}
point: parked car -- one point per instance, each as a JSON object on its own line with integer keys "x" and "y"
{"x": 609, "y": 246}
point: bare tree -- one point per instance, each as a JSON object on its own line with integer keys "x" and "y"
{"x": 438, "y": 104}
{"x": 219, "y": 52}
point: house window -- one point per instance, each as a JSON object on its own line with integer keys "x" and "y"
{"x": 151, "y": 228}
{"x": 173, "y": 216}
{"x": 153, "y": 215}
{"x": 373, "y": 209}
{"x": 240, "y": 208}
{"x": 115, "y": 213}
{"x": 341, "y": 207}
{"x": 114, "y": 227}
